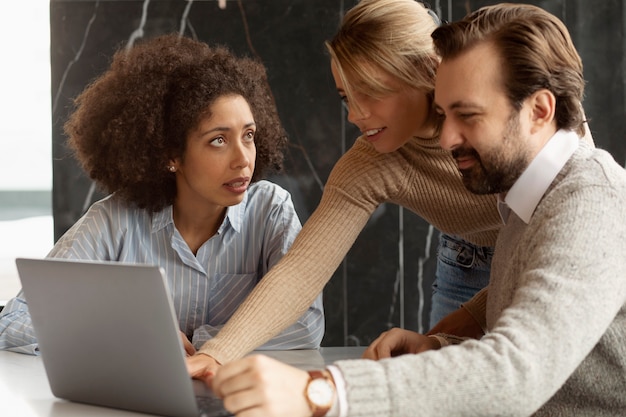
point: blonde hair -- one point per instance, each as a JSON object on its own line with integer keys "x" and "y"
{"x": 389, "y": 35}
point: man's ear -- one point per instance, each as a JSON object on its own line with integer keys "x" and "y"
{"x": 542, "y": 105}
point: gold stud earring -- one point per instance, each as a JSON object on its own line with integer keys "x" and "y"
{"x": 172, "y": 168}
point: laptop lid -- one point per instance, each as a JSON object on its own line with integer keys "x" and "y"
{"x": 108, "y": 335}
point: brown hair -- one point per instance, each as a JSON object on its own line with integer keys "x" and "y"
{"x": 132, "y": 120}
{"x": 536, "y": 50}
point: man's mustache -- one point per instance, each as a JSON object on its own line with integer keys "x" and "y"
{"x": 465, "y": 152}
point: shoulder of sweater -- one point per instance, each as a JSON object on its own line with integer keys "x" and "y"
{"x": 362, "y": 155}
{"x": 362, "y": 160}
{"x": 593, "y": 166}
{"x": 386, "y": 175}
{"x": 591, "y": 175}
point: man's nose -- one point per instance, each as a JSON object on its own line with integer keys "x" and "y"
{"x": 449, "y": 137}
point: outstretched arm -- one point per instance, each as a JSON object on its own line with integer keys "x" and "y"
{"x": 306, "y": 333}
{"x": 290, "y": 287}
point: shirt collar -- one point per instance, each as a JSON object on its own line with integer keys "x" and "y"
{"x": 525, "y": 194}
{"x": 162, "y": 218}
{"x": 234, "y": 216}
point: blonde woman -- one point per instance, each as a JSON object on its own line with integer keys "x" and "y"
{"x": 384, "y": 66}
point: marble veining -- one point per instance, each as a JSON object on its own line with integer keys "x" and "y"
{"x": 385, "y": 280}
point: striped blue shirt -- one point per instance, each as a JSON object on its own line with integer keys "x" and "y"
{"x": 206, "y": 288}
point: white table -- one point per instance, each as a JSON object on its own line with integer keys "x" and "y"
{"x": 24, "y": 389}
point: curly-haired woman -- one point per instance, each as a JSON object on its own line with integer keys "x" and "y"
{"x": 179, "y": 134}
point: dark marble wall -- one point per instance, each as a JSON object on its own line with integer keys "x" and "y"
{"x": 385, "y": 279}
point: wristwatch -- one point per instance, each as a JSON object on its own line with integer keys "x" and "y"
{"x": 320, "y": 392}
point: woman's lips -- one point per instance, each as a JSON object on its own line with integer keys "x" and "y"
{"x": 238, "y": 185}
{"x": 373, "y": 134}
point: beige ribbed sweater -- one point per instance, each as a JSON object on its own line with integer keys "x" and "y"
{"x": 419, "y": 176}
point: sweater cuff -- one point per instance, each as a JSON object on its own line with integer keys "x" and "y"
{"x": 477, "y": 308}
{"x": 213, "y": 350}
{"x": 448, "y": 339}
{"x": 340, "y": 406}
{"x": 366, "y": 392}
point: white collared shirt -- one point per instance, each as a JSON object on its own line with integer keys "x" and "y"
{"x": 525, "y": 194}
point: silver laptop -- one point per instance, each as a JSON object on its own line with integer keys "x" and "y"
{"x": 108, "y": 336}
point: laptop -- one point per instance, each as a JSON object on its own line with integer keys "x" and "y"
{"x": 108, "y": 336}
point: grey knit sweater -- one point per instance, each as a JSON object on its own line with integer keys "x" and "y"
{"x": 556, "y": 317}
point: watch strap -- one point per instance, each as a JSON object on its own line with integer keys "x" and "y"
{"x": 319, "y": 411}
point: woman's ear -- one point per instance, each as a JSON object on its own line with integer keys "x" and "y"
{"x": 173, "y": 164}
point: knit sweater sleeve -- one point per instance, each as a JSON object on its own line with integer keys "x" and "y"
{"x": 477, "y": 307}
{"x": 355, "y": 188}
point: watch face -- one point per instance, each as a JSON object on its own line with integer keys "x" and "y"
{"x": 320, "y": 392}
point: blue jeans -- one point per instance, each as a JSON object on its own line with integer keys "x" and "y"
{"x": 462, "y": 270}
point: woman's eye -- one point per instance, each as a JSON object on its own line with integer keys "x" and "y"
{"x": 344, "y": 102}
{"x": 250, "y": 135}
{"x": 218, "y": 141}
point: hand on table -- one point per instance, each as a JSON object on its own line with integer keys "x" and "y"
{"x": 396, "y": 342}
{"x": 260, "y": 386}
{"x": 202, "y": 366}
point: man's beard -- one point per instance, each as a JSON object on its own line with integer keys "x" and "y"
{"x": 497, "y": 171}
